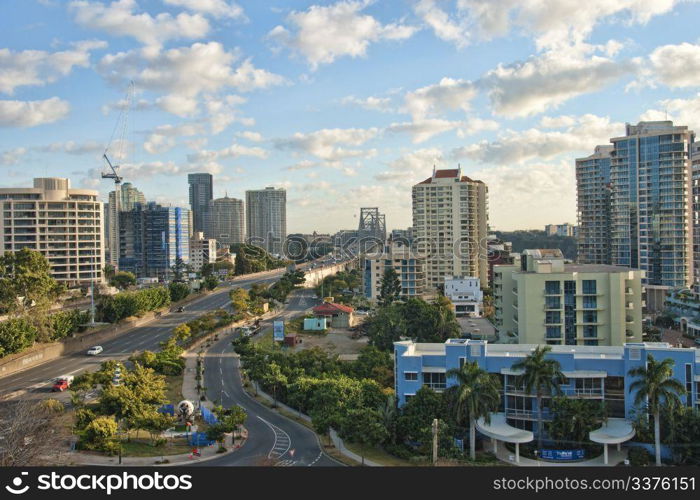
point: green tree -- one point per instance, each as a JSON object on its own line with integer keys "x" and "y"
{"x": 109, "y": 271}
{"x": 275, "y": 379}
{"x": 364, "y": 426}
{"x": 240, "y": 300}
{"x": 26, "y": 282}
{"x": 100, "y": 431}
{"x": 574, "y": 419}
{"x": 541, "y": 376}
{"x": 416, "y": 418}
{"x": 210, "y": 282}
{"x": 16, "y": 334}
{"x": 123, "y": 280}
{"x": 656, "y": 386}
{"x": 155, "y": 424}
{"x": 476, "y": 395}
{"x": 390, "y": 287}
{"x": 182, "y": 333}
{"x": 179, "y": 269}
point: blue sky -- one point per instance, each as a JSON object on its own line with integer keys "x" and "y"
{"x": 344, "y": 103}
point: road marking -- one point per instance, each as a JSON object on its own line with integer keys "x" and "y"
{"x": 316, "y": 460}
{"x": 282, "y": 441}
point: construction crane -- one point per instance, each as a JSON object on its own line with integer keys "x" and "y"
{"x": 113, "y": 173}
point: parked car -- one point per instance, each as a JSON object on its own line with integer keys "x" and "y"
{"x": 62, "y": 383}
{"x": 95, "y": 350}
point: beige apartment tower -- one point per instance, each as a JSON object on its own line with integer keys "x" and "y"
{"x": 450, "y": 224}
{"x": 544, "y": 300}
{"x": 64, "y": 224}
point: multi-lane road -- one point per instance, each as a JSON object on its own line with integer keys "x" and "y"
{"x": 274, "y": 440}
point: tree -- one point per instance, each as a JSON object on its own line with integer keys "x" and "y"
{"x": 108, "y": 271}
{"x": 476, "y": 395}
{"x": 540, "y": 376}
{"x": 375, "y": 364}
{"x": 656, "y": 386}
{"x": 123, "y": 280}
{"x": 415, "y": 421}
{"x": 182, "y": 333}
{"x": 390, "y": 289}
{"x": 155, "y": 423}
{"x": 275, "y": 379}
{"x": 26, "y": 282}
{"x": 364, "y": 426}
{"x": 178, "y": 291}
{"x": 100, "y": 431}
{"x": 240, "y": 300}
{"x": 210, "y": 282}
{"x": 179, "y": 268}
{"x": 574, "y": 419}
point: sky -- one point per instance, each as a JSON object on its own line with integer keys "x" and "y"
{"x": 346, "y": 104}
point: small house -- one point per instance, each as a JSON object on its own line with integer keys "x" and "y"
{"x": 340, "y": 316}
{"x": 316, "y": 324}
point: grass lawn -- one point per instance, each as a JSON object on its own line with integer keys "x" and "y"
{"x": 139, "y": 447}
{"x": 173, "y": 390}
{"x": 379, "y": 455}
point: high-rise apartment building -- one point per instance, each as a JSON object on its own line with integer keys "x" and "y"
{"x": 201, "y": 193}
{"x": 593, "y": 205}
{"x": 225, "y": 221}
{"x": 202, "y": 251}
{"x": 651, "y": 214}
{"x": 399, "y": 257}
{"x": 130, "y": 197}
{"x": 153, "y": 239}
{"x": 266, "y": 218}
{"x": 546, "y": 301}
{"x": 64, "y": 224}
{"x": 450, "y": 222}
{"x": 695, "y": 162}
{"x": 563, "y": 230}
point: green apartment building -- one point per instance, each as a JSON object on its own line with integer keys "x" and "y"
{"x": 544, "y": 300}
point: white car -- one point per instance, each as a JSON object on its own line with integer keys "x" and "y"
{"x": 95, "y": 350}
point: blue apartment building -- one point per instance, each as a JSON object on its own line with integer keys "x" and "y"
{"x": 592, "y": 372}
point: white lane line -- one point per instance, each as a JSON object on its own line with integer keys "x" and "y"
{"x": 317, "y": 459}
{"x": 282, "y": 441}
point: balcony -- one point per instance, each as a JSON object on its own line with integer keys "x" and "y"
{"x": 587, "y": 393}
{"x": 528, "y": 414}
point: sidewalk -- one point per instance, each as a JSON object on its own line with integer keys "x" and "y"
{"x": 207, "y": 453}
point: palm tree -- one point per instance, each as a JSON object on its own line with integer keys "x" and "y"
{"x": 476, "y": 395}
{"x": 540, "y": 376}
{"x": 655, "y": 386}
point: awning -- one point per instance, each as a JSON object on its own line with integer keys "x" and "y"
{"x": 585, "y": 374}
{"x": 614, "y": 431}
{"x": 433, "y": 369}
{"x": 498, "y": 428}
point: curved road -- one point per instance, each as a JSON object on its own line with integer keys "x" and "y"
{"x": 274, "y": 439}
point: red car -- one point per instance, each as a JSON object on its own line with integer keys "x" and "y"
{"x": 61, "y": 384}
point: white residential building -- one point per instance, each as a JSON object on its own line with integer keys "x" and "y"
{"x": 465, "y": 294}
{"x": 202, "y": 251}
{"x": 64, "y": 224}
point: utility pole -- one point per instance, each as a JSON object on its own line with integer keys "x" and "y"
{"x": 435, "y": 440}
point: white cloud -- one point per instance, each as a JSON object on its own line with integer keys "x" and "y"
{"x": 517, "y": 147}
{"x": 552, "y": 23}
{"x": 38, "y": 67}
{"x": 381, "y": 104}
{"x": 412, "y": 167}
{"x": 251, "y": 136}
{"x": 527, "y": 196}
{"x": 233, "y": 151}
{"x": 73, "y": 148}
{"x": 447, "y": 95}
{"x": 185, "y": 73}
{"x": 326, "y": 143}
{"x": 13, "y": 156}
{"x": 214, "y": 8}
{"x": 681, "y": 111}
{"x": 119, "y": 19}
{"x": 547, "y": 80}
{"x": 222, "y": 112}
{"x": 324, "y": 33}
{"x": 423, "y": 130}
{"x": 164, "y": 137}
{"x": 677, "y": 65}
{"x": 32, "y": 113}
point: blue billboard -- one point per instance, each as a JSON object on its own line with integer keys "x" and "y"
{"x": 563, "y": 455}
{"x": 278, "y": 331}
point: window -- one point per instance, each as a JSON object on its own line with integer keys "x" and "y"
{"x": 589, "y": 286}
{"x": 552, "y": 317}
{"x": 410, "y": 376}
{"x": 554, "y": 332}
{"x": 552, "y": 302}
{"x": 689, "y": 384}
{"x": 635, "y": 354}
{"x": 590, "y": 316}
{"x": 552, "y": 288}
{"x": 436, "y": 381}
{"x": 475, "y": 350}
{"x": 590, "y": 301}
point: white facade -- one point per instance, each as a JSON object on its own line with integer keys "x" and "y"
{"x": 64, "y": 224}
{"x": 202, "y": 251}
{"x": 465, "y": 294}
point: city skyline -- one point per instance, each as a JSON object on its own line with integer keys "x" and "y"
{"x": 514, "y": 101}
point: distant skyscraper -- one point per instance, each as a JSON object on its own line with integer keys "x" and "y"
{"x": 130, "y": 197}
{"x": 450, "y": 221}
{"x": 226, "y": 221}
{"x": 153, "y": 238}
{"x": 266, "y": 217}
{"x": 695, "y": 160}
{"x": 651, "y": 215}
{"x": 593, "y": 198}
{"x": 201, "y": 193}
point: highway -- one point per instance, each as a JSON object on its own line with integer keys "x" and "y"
{"x": 274, "y": 440}
{"x": 36, "y": 382}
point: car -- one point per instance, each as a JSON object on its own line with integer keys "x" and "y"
{"x": 95, "y": 350}
{"x": 180, "y": 309}
{"x": 62, "y": 383}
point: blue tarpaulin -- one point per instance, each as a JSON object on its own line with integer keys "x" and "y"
{"x": 208, "y": 416}
{"x": 167, "y": 409}
{"x": 199, "y": 439}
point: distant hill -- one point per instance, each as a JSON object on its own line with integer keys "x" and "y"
{"x": 522, "y": 240}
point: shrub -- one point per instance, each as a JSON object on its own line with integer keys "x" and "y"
{"x": 100, "y": 432}
{"x": 639, "y": 456}
{"x": 16, "y": 334}
{"x": 178, "y": 291}
{"x": 125, "y": 304}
